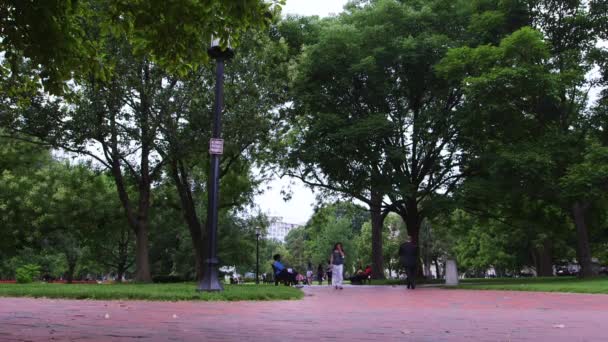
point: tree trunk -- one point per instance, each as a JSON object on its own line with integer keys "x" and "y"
{"x": 199, "y": 257}
{"x": 180, "y": 178}
{"x": 138, "y": 223}
{"x": 412, "y": 222}
{"x": 437, "y": 269}
{"x": 377, "y": 225}
{"x": 123, "y": 262}
{"x": 69, "y": 276}
{"x": 544, "y": 259}
{"x": 120, "y": 272}
{"x": 142, "y": 263}
{"x": 583, "y": 251}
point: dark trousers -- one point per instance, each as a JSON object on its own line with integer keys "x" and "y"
{"x": 286, "y": 276}
{"x": 328, "y": 278}
{"x": 359, "y": 278}
{"x": 410, "y": 271}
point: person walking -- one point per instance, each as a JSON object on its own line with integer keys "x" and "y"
{"x": 408, "y": 257}
{"x": 320, "y": 272}
{"x": 337, "y": 262}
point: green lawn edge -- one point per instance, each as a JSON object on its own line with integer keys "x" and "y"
{"x": 557, "y": 285}
{"x": 149, "y": 292}
{"x": 598, "y": 285}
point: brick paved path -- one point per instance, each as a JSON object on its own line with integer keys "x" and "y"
{"x": 360, "y": 313}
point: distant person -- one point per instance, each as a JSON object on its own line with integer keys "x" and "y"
{"x": 337, "y": 262}
{"x": 309, "y": 274}
{"x": 320, "y": 273}
{"x": 281, "y": 271}
{"x": 329, "y": 272}
{"x": 408, "y": 257}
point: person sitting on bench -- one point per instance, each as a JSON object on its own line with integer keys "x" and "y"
{"x": 281, "y": 272}
{"x": 362, "y": 275}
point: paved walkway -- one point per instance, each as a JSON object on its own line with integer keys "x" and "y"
{"x": 355, "y": 313}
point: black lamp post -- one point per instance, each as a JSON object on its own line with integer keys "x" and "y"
{"x": 258, "y": 232}
{"x": 210, "y": 280}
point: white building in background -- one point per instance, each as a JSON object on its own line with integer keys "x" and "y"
{"x": 278, "y": 229}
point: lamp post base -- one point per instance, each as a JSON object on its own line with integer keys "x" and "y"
{"x": 210, "y": 282}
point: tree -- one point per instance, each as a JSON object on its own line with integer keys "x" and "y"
{"x": 120, "y": 111}
{"x": 51, "y": 207}
{"x": 378, "y": 124}
{"x": 19, "y": 163}
{"x": 533, "y": 128}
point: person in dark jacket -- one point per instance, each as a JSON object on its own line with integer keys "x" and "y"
{"x": 282, "y": 272}
{"x": 329, "y": 272}
{"x": 408, "y": 256}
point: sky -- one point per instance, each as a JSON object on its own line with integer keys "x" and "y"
{"x": 300, "y": 207}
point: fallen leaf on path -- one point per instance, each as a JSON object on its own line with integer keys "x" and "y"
{"x": 559, "y": 326}
{"x": 107, "y": 316}
{"x": 174, "y": 316}
{"x": 407, "y": 332}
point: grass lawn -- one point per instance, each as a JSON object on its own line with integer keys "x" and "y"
{"x": 162, "y": 292}
{"x": 550, "y": 284}
{"x": 554, "y": 284}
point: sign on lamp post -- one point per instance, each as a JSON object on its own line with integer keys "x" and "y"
{"x": 216, "y": 146}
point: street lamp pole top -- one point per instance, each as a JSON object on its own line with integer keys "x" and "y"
{"x": 216, "y": 50}
{"x": 258, "y": 231}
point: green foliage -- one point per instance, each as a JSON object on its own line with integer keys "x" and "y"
{"x": 296, "y": 244}
{"x": 175, "y": 34}
{"x": 268, "y": 248}
{"x": 381, "y": 119}
{"x": 54, "y": 210}
{"x": 332, "y": 223}
{"x": 52, "y": 263}
{"x": 587, "y": 178}
{"x": 335, "y": 230}
{"x": 27, "y": 273}
{"x": 236, "y": 245}
{"x": 528, "y": 124}
{"x": 393, "y": 235}
{"x": 313, "y": 243}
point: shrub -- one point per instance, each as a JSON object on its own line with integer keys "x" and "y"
{"x": 27, "y": 273}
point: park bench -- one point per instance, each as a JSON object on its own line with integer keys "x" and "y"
{"x": 367, "y": 280}
{"x": 278, "y": 279}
